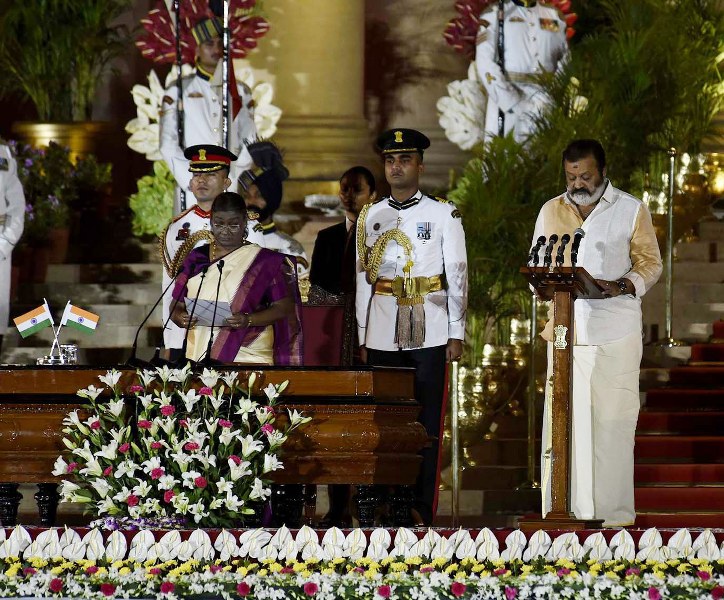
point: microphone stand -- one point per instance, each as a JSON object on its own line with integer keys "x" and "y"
{"x": 548, "y": 258}
{"x": 207, "y": 360}
{"x": 561, "y": 248}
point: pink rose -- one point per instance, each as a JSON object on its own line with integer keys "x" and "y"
{"x": 206, "y": 391}
{"x": 107, "y": 471}
{"x": 168, "y": 496}
{"x": 225, "y": 423}
{"x": 108, "y": 589}
{"x": 167, "y": 587}
{"x": 499, "y": 572}
{"x": 563, "y": 571}
{"x": 155, "y": 570}
{"x": 458, "y": 588}
{"x": 654, "y": 594}
{"x": 72, "y": 467}
{"x": 91, "y": 570}
{"x": 235, "y": 459}
{"x": 267, "y": 428}
{"x": 200, "y": 482}
{"x": 191, "y": 446}
{"x": 55, "y": 585}
{"x": 95, "y": 424}
{"x": 183, "y": 423}
{"x": 384, "y": 591}
{"x": 310, "y": 588}
{"x": 510, "y": 592}
{"x": 132, "y": 500}
{"x": 156, "y": 445}
{"x": 704, "y": 575}
{"x": 243, "y": 589}
{"x": 167, "y": 410}
{"x": 29, "y": 571}
{"x": 632, "y": 571}
{"x": 144, "y": 424}
{"x": 135, "y": 389}
{"x": 123, "y": 448}
{"x": 215, "y": 568}
{"x": 157, "y": 473}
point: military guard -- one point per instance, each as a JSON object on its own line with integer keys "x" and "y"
{"x": 534, "y": 43}
{"x": 411, "y": 292}
{"x": 12, "y": 222}
{"x": 202, "y": 109}
{"x": 209, "y": 167}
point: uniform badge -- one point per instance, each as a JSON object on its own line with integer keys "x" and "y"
{"x": 424, "y": 231}
{"x": 517, "y": 20}
{"x": 202, "y": 154}
{"x": 456, "y": 214}
{"x": 549, "y": 25}
{"x": 398, "y": 137}
{"x": 184, "y": 232}
{"x": 4, "y": 164}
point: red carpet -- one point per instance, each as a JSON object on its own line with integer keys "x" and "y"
{"x": 679, "y": 470}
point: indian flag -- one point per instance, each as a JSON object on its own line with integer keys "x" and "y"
{"x": 35, "y": 320}
{"x": 79, "y": 318}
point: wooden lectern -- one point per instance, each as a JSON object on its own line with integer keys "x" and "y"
{"x": 562, "y": 285}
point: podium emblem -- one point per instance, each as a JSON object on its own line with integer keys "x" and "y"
{"x": 560, "y": 332}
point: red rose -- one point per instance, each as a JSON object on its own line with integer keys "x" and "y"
{"x": 206, "y": 391}
{"x": 654, "y": 594}
{"x": 168, "y": 496}
{"x": 243, "y": 589}
{"x": 286, "y": 571}
{"x": 458, "y": 588}
{"x": 108, "y": 589}
{"x": 235, "y": 459}
{"x": 215, "y": 568}
{"x": 167, "y": 410}
{"x": 200, "y": 482}
{"x": 107, "y": 471}
{"x": 156, "y": 445}
{"x": 632, "y": 571}
{"x": 267, "y": 428}
{"x": 155, "y": 570}
{"x": 384, "y": 591}
{"x": 29, "y": 571}
{"x": 55, "y": 585}
{"x": 225, "y": 423}
{"x": 145, "y": 424}
{"x": 95, "y": 424}
{"x": 704, "y": 575}
{"x": 717, "y": 592}
{"x": 157, "y": 473}
{"x": 134, "y": 389}
{"x": 167, "y": 587}
{"x": 310, "y": 588}
{"x": 123, "y": 448}
{"x": 499, "y": 572}
{"x": 132, "y": 500}
{"x": 71, "y": 467}
{"x": 91, "y": 570}
{"x": 191, "y": 446}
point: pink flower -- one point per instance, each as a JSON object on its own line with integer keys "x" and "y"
{"x": 458, "y": 588}
{"x": 191, "y": 446}
{"x": 157, "y": 472}
{"x": 358, "y": 570}
{"x": 55, "y": 585}
{"x": 91, "y": 570}
{"x": 235, "y": 459}
{"x": 200, "y": 482}
{"x": 704, "y": 575}
{"x": 183, "y": 423}
{"x": 135, "y": 389}
{"x": 310, "y": 588}
{"x": 132, "y": 500}
{"x": 168, "y": 496}
{"x": 145, "y": 424}
{"x": 123, "y": 448}
{"x": 72, "y": 467}
{"x": 654, "y": 594}
{"x": 167, "y": 410}
{"x": 426, "y": 570}
{"x": 632, "y": 571}
{"x": 108, "y": 589}
{"x": 510, "y": 592}
{"x": 107, "y": 471}
{"x": 95, "y": 424}
{"x": 269, "y": 409}
{"x": 384, "y": 591}
{"x": 563, "y": 571}
{"x": 155, "y": 570}
{"x": 225, "y": 423}
{"x": 167, "y": 587}
{"x": 206, "y": 391}
{"x": 29, "y": 571}
{"x": 243, "y": 589}
{"x": 286, "y": 571}
{"x": 215, "y": 568}
{"x": 717, "y": 592}
{"x": 156, "y": 445}
{"x": 267, "y": 428}
{"x": 499, "y": 572}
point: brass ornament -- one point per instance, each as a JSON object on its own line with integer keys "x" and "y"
{"x": 560, "y": 332}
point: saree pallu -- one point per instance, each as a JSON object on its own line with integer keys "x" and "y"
{"x": 251, "y": 280}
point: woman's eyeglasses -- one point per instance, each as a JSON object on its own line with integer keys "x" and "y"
{"x": 235, "y": 228}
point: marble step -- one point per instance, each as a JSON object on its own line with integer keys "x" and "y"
{"x": 711, "y": 231}
{"x": 105, "y": 273}
{"x": 697, "y": 272}
{"x": 687, "y": 292}
{"x": 701, "y": 251}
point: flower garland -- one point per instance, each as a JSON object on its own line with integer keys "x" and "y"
{"x": 178, "y": 448}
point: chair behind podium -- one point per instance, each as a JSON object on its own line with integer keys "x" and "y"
{"x": 323, "y": 326}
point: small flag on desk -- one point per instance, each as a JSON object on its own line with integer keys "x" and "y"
{"x": 35, "y": 320}
{"x": 79, "y": 319}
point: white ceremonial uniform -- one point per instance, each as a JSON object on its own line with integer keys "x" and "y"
{"x": 535, "y": 42}
{"x": 203, "y": 125}
{"x": 620, "y": 242}
{"x": 12, "y": 222}
{"x": 190, "y": 221}
{"x": 435, "y": 230}
{"x": 281, "y": 242}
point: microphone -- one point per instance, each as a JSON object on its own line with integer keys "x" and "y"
{"x": 565, "y": 238}
{"x": 533, "y": 256}
{"x": 132, "y": 360}
{"x": 207, "y": 358}
{"x": 578, "y": 235}
{"x": 548, "y": 258}
{"x": 191, "y": 316}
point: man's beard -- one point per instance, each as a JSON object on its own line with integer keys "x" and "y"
{"x": 585, "y": 198}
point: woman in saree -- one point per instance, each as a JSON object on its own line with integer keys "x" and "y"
{"x": 259, "y": 285}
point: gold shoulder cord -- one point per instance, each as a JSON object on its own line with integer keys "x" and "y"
{"x": 172, "y": 265}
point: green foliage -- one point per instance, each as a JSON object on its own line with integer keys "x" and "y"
{"x": 152, "y": 204}
{"x": 54, "y": 52}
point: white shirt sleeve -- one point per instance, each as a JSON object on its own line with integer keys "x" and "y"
{"x": 12, "y": 196}
{"x": 168, "y": 133}
{"x": 455, "y": 260}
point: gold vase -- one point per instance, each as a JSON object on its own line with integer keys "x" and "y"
{"x": 83, "y": 137}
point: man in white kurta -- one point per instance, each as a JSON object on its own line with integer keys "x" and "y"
{"x": 534, "y": 43}
{"x": 12, "y": 222}
{"x": 411, "y": 289}
{"x": 202, "y": 111}
{"x": 621, "y": 252}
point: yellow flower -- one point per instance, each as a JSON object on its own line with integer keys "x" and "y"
{"x": 298, "y": 567}
{"x": 328, "y": 571}
{"x": 275, "y": 568}
{"x": 306, "y": 573}
{"x": 451, "y": 568}
{"x": 611, "y": 575}
{"x": 413, "y": 560}
{"x": 13, "y": 570}
{"x": 263, "y": 572}
{"x": 526, "y": 568}
{"x": 683, "y": 568}
{"x": 338, "y": 561}
{"x": 439, "y": 562}
{"x": 54, "y": 570}
{"x": 479, "y": 567}
{"x": 117, "y": 565}
{"x": 242, "y": 571}
{"x": 124, "y": 571}
{"x": 398, "y": 567}
{"x": 370, "y": 573}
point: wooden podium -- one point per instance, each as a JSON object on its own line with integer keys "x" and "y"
{"x": 562, "y": 285}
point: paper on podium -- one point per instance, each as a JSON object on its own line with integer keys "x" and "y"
{"x": 204, "y": 311}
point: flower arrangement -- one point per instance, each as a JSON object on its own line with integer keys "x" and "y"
{"x": 177, "y": 448}
{"x": 152, "y": 204}
{"x": 61, "y": 563}
{"x": 52, "y": 184}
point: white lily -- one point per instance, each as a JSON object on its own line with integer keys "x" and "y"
{"x": 92, "y": 467}
{"x": 211, "y": 425}
{"x": 181, "y": 503}
{"x": 250, "y": 446}
{"x": 109, "y": 451}
{"x": 142, "y": 489}
{"x": 167, "y": 482}
{"x": 60, "y": 467}
{"x": 114, "y": 407}
{"x": 146, "y": 400}
{"x": 126, "y": 468}
{"x": 229, "y": 378}
{"x": 152, "y": 463}
{"x": 189, "y": 398}
{"x": 85, "y": 452}
{"x": 258, "y": 491}
{"x": 271, "y": 392}
{"x": 246, "y": 406}
{"x": 224, "y": 486}
{"x": 67, "y": 489}
{"x": 147, "y": 376}
{"x": 272, "y": 463}
{"x": 236, "y": 472}
{"x": 218, "y": 398}
{"x": 227, "y": 436}
{"x": 188, "y": 478}
{"x": 164, "y": 373}
{"x": 72, "y": 419}
{"x": 296, "y": 418}
{"x": 210, "y": 377}
{"x": 181, "y": 375}
{"x": 101, "y": 486}
{"x": 198, "y": 510}
{"x": 106, "y": 506}
{"x": 91, "y": 392}
{"x": 111, "y": 378}
{"x": 263, "y": 415}
{"x": 233, "y": 503}
{"x": 276, "y": 438}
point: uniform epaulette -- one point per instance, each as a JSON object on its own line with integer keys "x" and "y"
{"x": 442, "y": 200}
{"x": 182, "y": 215}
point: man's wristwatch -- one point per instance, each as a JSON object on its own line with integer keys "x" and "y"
{"x": 621, "y": 283}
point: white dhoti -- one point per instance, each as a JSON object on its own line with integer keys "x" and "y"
{"x": 604, "y": 411}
